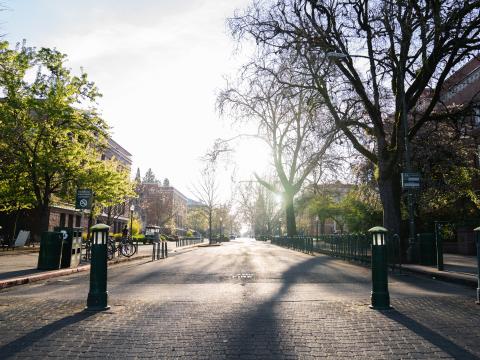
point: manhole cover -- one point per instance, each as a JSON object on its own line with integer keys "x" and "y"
{"x": 243, "y": 276}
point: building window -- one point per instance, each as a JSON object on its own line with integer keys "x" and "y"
{"x": 70, "y": 220}
{"x": 78, "y": 221}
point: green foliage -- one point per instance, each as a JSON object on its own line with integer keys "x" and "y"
{"x": 358, "y": 211}
{"x": 197, "y": 218}
{"x": 361, "y": 212}
{"x": 51, "y": 137}
{"x": 189, "y": 233}
{"x": 136, "y": 226}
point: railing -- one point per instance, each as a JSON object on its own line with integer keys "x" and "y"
{"x": 188, "y": 241}
{"x": 298, "y": 243}
{"x": 353, "y": 247}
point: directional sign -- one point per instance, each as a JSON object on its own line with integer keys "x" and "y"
{"x": 410, "y": 180}
{"x": 84, "y": 199}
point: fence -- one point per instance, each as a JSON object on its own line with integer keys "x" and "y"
{"x": 188, "y": 241}
{"x": 353, "y": 247}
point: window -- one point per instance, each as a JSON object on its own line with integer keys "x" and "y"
{"x": 78, "y": 221}
{"x": 70, "y": 220}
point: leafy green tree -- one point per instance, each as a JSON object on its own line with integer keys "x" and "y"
{"x": 197, "y": 219}
{"x": 111, "y": 186}
{"x": 359, "y": 212}
{"x": 50, "y": 135}
{"x": 50, "y": 139}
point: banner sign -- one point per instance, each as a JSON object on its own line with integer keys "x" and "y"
{"x": 84, "y": 199}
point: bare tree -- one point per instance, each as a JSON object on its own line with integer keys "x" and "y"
{"x": 290, "y": 123}
{"x": 373, "y": 63}
{"x": 206, "y": 190}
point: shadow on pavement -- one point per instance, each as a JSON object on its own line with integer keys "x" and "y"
{"x": 429, "y": 335}
{"x": 260, "y": 326}
{"x": 34, "y": 336}
{"x": 19, "y": 273}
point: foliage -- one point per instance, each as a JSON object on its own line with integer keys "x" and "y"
{"x": 110, "y": 183}
{"x": 359, "y": 210}
{"x": 197, "y": 218}
{"x": 50, "y": 135}
{"x": 448, "y": 176}
{"x": 359, "y": 213}
{"x": 136, "y": 226}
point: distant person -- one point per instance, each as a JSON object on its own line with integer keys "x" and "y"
{"x": 125, "y": 232}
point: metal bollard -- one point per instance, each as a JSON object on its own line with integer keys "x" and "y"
{"x": 380, "y": 297}
{"x": 98, "y": 295}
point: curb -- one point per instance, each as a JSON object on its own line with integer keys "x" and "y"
{"x": 451, "y": 277}
{"x": 57, "y": 273}
{"x": 455, "y": 278}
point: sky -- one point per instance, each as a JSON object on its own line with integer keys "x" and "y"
{"x": 159, "y": 65}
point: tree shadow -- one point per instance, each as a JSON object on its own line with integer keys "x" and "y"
{"x": 29, "y": 339}
{"x": 429, "y": 335}
{"x": 259, "y": 326}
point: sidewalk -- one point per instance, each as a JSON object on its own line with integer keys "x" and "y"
{"x": 461, "y": 269}
{"x": 20, "y": 266}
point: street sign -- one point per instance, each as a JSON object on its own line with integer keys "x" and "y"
{"x": 410, "y": 180}
{"x": 84, "y": 199}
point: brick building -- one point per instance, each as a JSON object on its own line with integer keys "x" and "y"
{"x": 162, "y": 205}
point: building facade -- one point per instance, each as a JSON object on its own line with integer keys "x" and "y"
{"x": 162, "y": 206}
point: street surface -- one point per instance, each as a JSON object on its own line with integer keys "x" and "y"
{"x": 242, "y": 300}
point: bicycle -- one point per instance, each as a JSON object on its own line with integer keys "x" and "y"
{"x": 125, "y": 247}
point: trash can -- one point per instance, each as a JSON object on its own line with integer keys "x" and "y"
{"x": 426, "y": 249}
{"x": 72, "y": 246}
{"x": 50, "y": 255}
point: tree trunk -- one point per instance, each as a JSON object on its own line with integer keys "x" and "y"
{"x": 390, "y": 194}
{"x": 42, "y": 219}
{"x": 209, "y": 227}
{"x": 290, "y": 214}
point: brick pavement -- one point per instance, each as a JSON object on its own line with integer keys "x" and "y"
{"x": 445, "y": 328}
{"x": 243, "y": 300}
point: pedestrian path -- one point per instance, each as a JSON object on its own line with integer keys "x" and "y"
{"x": 459, "y": 269}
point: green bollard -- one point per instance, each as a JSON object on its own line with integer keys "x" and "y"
{"x": 98, "y": 295}
{"x": 477, "y": 240}
{"x": 380, "y": 298}
{"x": 439, "y": 246}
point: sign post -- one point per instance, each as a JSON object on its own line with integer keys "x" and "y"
{"x": 83, "y": 199}
{"x": 410, "y": 180}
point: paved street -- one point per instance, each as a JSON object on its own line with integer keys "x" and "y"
{"x": 241, "y": 300}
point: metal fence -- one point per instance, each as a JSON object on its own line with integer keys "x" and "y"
{"x": 353, "y": 247}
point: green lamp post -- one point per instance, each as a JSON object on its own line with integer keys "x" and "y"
{"x": 477, "y": 240}
{"x": 380, "y": 298}
{"x": 98, "y": 295}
